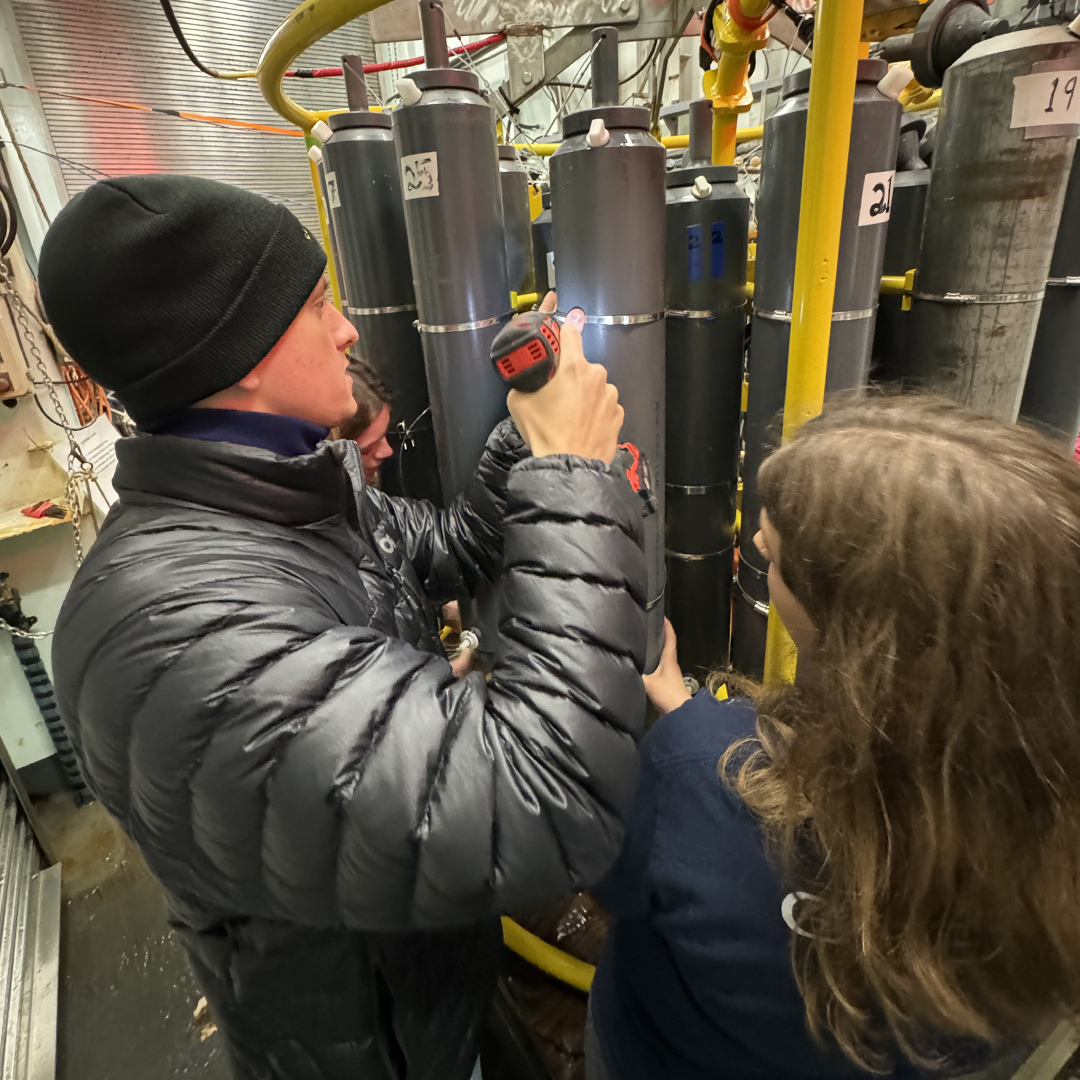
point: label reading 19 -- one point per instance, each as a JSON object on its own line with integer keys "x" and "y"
{"x": 420, "y": 175}
{"x": 1046, "y": 98}
{"x": 876, "y": 197}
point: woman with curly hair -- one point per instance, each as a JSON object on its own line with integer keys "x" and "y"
{"x": 876, "y": 869}
{"x": 368, "y": 425}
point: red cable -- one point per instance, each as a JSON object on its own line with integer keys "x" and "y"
{"x": 392, "y": 65}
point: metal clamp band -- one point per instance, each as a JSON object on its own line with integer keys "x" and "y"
{"x": 391, "y": 309}
{"x": 760, "y": 574}
{"x": 697, "y": 489}
{"x": 453, "y": 328}
{"x": 854, "y": 316}
{"x": 678, "y": 313}
{"x": 837, "y": 316}
{"x": 617, "y": 320}
{"x": 1070, "y": 280}
{"x": 652, "y": 604}
{"x": 981, "y": 298}
{"x": 697, "y": 558}
{"x": 758, "y": 605}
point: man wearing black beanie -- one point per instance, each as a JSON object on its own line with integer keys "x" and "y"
{"x": 249, "y": 664}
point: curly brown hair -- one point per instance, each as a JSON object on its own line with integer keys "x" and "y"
{"x": 921, "y": 780}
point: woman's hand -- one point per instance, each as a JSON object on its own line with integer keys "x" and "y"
{"x": 665, "y": 685}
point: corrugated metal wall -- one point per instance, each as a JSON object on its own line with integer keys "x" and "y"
{"x": 124, "y": 49}
{"x": 29, "y": 949}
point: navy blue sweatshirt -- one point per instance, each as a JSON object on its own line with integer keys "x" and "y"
{"x": 696, "y": 979}
{"x": 286, "y": 436}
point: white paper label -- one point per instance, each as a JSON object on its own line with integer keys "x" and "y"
{"x": 876, "y": 197}
{"x": 1047, "y": 97}
{"x": 420, "y": 175}
{"x": 332, "y": 190}
{"x": 98, "y": 445}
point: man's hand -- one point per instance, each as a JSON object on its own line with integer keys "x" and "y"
{"x": 665, "y": 686}
{"x": 578, "y": 411}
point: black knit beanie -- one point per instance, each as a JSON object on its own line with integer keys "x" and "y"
{"x": 167, "y": 289}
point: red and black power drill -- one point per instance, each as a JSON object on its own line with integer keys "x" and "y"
{"x": 525, "y": 351}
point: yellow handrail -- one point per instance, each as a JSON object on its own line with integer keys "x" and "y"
{"x": 560, "y": 965}
{"x": 891, "y": 284}
{"x": 671, "y": 142}
{"x": 828, "y": 136}
{"x": 301, "y": 28}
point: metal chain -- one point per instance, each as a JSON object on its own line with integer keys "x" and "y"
{"x": 79, "y": 470}
{"x": 32, "y": 635}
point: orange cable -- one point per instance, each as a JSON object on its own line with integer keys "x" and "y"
{"x": 202, "y": 118}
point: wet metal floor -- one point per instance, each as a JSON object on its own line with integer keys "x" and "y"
{"x": 128, "y": 999}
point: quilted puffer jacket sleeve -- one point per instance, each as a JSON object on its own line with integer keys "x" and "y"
{"x": 271, "y": 761}
{"x": 452, "y": 549}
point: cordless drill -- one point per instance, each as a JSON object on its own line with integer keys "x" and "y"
{"x": 525, "y": 351}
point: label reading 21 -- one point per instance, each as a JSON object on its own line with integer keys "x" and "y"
{"x": 876, "y": 203}
{"x": 1046, "y": 98}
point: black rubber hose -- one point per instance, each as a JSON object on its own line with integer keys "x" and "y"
{"x": 42, "y": 688}
{"x": 167, "y": 7}
{"x": 12, "y": 219}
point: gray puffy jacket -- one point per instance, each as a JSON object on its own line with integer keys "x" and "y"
{"x": 249, "y": 666}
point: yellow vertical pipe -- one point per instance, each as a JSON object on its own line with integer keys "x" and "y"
{"x": 324, "y": 224}
{"x": 727, "y": 85}
{"x": 828, "y": 136}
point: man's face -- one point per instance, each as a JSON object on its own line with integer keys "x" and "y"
{"x": 304, "y": 374}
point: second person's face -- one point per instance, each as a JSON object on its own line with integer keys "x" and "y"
{"x": 373, "y": 444}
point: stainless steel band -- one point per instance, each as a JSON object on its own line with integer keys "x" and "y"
{"x": 1072, "y": 279}
{"x": 710, "y": 313}
{"x": 391, "y": 309}
{"x": 652, "y": 604}
{"x": 453, "y": 328}
{"x": 981, "y": 298}
{"x": 616, "y": 320}
{"x": 758, "y": 605}
{"x": 698, "y": 558}
{"x": 837, "y": 316}
{"x": 698, "y": 489}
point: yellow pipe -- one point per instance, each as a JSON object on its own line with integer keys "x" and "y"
{"x": 671, "y": 142}
{"x": 525, "y": 301}
{"x": 926, "y": 99}
{"x": 562, "y": 966}
{"x": 728, "y": 85}
{"x": 301, "y": 28}
{"x": 324, "y": 224}
{"x": 828, "y": 136}
{"x": 891, "y": 284}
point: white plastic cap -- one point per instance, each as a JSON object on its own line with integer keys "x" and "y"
{"x": 598, "y": 133}
{"x": 896, "y": 81}
{"x": 408, "y": 91}
{"x": 315, "y": 154}
{"x": 702, "y": 188}
{"x": 321, "y": 131}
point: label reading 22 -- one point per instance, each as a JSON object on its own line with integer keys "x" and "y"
{"x": 876, "y": 197}
{"x": 420, "y": 175}
{"x": 1047, "y": 98}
